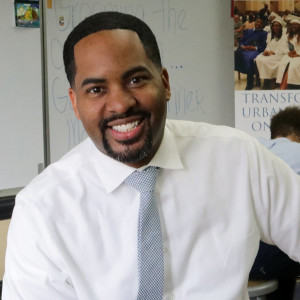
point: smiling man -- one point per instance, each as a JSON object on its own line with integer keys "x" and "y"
{"x": 251, "y": 44}
{"x": 120, "y": 95}
{"x": 86, "y": 229}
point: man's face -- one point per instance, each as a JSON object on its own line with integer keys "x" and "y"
{"x": 258, "y": 24}
{"x": 120, "y": 95}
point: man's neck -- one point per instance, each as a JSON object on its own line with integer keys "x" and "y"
{"x": 292, "y": 137}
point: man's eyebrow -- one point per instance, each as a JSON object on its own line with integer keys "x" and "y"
{"x": 92, "y": 80}
{"x": 124, "y": 76}
{"x": 135, "y": 70}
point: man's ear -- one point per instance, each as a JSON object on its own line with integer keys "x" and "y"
{"x": 73, "y": 99}
{"x": 166, "y": 83}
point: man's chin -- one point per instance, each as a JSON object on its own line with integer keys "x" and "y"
{"x": 129, "y": 157}
{"x": 130, "y": 153}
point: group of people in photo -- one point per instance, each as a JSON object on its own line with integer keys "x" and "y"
{"x": 269, "y": 52}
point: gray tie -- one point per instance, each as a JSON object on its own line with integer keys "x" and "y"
{"x": 150, "y": 249}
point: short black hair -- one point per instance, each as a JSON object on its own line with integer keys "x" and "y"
{"x": 286, "y": 122}
{"x": 108, "y": 21}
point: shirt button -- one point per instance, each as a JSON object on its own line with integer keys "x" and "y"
{"x": 166, "y": 250}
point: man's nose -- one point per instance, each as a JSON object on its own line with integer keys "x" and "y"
{"x": 120, "y": 100}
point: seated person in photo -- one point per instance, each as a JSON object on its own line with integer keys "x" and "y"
{"x": 271, "y": 262}
{"x": 289, "y": 67}
{"x": 272, "y": 16}
{"x": 249, "y": 23}
{"x": 238, "y": 29}
{"x": 251, "y": 44}
{"x": 267, "y": 62}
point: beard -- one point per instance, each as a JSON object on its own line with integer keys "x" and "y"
{"x": 128, "y": 155}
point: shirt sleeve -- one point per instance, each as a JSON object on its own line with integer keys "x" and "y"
{"x": 276, "y": 199}
{"x": 32, "y": 271}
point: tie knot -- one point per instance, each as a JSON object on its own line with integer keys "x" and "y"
{"x": 143, "y": 181}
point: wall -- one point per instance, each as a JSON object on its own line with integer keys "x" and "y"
{"x": 196, "y": 42}
{"x": 21, "y": 116}
{"x": 195, "y": 38}
{"x": 3, "y": 233}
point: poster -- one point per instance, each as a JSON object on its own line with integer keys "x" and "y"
{"x": 273, "y": 86}
{"x": 27, "y": 13}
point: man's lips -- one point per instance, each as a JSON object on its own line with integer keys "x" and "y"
{"x": 126, "y": 127}
{"x": 126, "y": 123}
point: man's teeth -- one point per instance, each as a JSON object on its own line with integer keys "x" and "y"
{"x": 126, "y": 127}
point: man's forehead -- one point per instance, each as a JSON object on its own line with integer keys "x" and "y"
{"x": 113, "y": 35}
{"x": 111, "y": 51}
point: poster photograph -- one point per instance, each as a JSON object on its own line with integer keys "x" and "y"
{"x": 266, "y": 61}
{"x": 27, "y": 13}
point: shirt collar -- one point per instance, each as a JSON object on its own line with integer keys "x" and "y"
{"x": 167, "y": 155}
{"x": 112, "y": 172}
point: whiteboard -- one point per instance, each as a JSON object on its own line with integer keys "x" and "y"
{"x": 195, "y": 38}
{"x": 21, "y": 113}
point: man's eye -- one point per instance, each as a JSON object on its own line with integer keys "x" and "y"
{"x": 138, "y": 80}
{"x": 96, "y": 90}
{"x": 135, "y": 80}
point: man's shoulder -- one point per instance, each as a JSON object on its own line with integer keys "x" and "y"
{"x": 59, "y": 173}
{"x": 286, "y": 143}
{"x": 283, "y": 147}
{"x": 203, "y": 142}
{"x": 182, "y": 128}
{"x": 287, "y": 150}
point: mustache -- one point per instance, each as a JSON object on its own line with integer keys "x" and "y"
{"x": 130, "y": 113}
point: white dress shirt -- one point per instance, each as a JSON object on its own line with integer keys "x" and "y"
{"x": 73, "y": 233}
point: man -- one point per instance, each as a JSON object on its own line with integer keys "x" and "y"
{"x": 271, "y": 262}
{"x": 76, "y": 231}
{"x": 285, "y": 136}
{"x": 264, "y": 13}
{"x": 251, "y": 44}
